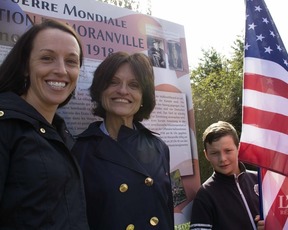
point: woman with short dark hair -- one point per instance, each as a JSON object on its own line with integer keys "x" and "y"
{"x": 125, "y": 166}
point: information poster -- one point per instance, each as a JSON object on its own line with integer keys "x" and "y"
{"x": 105, "y": 29}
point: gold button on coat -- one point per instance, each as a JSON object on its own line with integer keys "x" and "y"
{"x": 1, "y": 113}
{"x": 42, "y": 130}
{"x": 154, "y": 221}
{"x": 149, "y": 181}
{"x": 130, "y": 227}
{"x": 123, "y": 187}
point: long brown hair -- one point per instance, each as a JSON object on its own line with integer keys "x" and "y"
{"x": 14, "y": 66}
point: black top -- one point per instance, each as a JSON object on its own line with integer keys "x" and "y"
{"x": 117, "y": 177}
{"x": 41, "y": 186}
{"x": 219, "y": 205}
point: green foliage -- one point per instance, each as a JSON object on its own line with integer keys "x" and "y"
{"x": 217, "y": 95}
{"x": 184, "y": 226}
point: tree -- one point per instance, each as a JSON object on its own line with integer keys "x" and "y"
{"x": 217, "y": 94}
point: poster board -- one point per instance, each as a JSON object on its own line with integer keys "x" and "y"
{"x": 105, "y": 29}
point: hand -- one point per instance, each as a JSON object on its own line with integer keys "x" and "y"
{"x": 260, "y": 223}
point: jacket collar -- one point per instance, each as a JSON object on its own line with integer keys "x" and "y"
{"x": 15, "y": 107}
{"x": 110, "y": 150}
{"x": 94, "y": 130}
{"x": 230, "y": 178}
{"x": 12, "y": 101}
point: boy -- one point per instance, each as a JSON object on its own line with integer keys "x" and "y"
{"x": 229, "y": 199}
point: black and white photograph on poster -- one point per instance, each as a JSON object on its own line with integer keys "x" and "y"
{"x": 156, "y": 52}
{"x": 175, "y": 55}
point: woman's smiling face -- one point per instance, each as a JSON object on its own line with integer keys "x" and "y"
{"x": 54, "y": 67}
{"x": 123, "y": 96}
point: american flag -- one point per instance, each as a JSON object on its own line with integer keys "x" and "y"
{"x": 264, "y": 137}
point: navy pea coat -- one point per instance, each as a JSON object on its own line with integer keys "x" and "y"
{"x": 127, "y": 182}
{"x": 41, "y": 185}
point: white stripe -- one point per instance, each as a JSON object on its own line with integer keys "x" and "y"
{"x": 202, "y": 225}
{"x": 271, "y": 185}
{"x": 199, "y": 226}
{"x": 267, "y": 102}
{"x": 266, "y": 68}
{"x": 265, "y": 138}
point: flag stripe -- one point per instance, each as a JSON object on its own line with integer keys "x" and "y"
{"x": 266, "y": 120}
{"x": 263, "y": 157}
{"x": 265, "y": 68}
{"x": 268, "y": 139}
{"x": 265, "y": 84}
{"x": 263, "y": 101}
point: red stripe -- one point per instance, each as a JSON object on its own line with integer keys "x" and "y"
{"x": 265, "y": 119}
{"x": 263, "y": 157}
{"x": 265, "y": 84}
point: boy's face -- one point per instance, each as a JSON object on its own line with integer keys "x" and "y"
{"x": 223, "y": 155}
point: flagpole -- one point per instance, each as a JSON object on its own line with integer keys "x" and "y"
{"x": 260, "y": 194}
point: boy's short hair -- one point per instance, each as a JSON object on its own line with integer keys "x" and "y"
{"x": 217, "y": 130}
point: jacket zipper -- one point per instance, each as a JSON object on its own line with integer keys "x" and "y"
{"x": 245, "y": 203}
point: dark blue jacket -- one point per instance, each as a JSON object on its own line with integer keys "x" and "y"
{"x": 41, "y": 186}
{"x": 220, "y": 202}
{"x": 127, "y": 182}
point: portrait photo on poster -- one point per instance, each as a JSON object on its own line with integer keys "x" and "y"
{"x": 174, "y": 55}
{"x": 156, "y": 51}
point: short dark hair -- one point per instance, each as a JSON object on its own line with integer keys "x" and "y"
{"x": 217, "y": 130}
{"x": 143, "y": 70}
{"x": 15, "y": 65}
